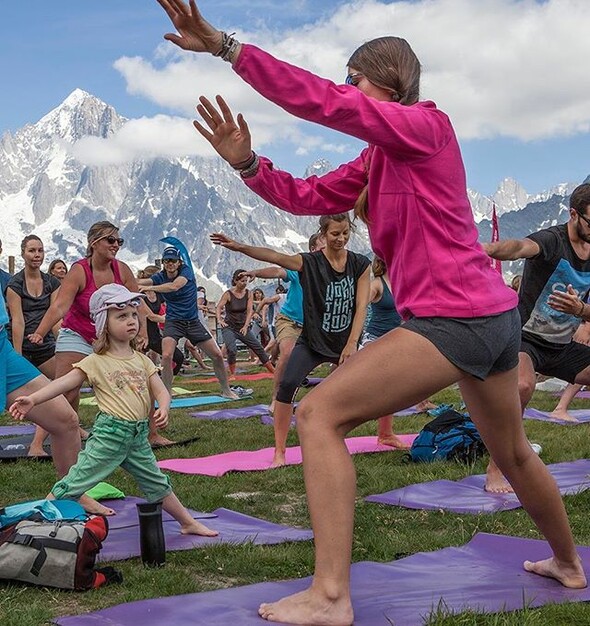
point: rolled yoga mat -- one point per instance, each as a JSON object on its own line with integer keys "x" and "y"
{"x": 483, "y": 576}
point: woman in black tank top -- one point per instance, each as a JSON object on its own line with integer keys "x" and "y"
{"x": 236, "y": 303}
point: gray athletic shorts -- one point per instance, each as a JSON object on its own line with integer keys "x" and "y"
{"x": 479, "y": 346}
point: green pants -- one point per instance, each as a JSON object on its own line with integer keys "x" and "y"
{"x": 115, "y": 443}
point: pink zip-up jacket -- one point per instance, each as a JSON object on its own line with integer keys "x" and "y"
{"x": 421, "y": 222}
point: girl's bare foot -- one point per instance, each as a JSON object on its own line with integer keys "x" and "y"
{"x": 91, "y": 506}
{"x": 309, "y": 607}
{"x": 196, "y": 528}
{"x": 571, "y": 576}
{"x": 394, "y": 441}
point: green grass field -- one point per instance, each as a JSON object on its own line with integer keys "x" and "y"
{"x": 381, "y": 533}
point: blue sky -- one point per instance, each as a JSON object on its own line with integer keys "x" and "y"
{"x": 506, "y": 71}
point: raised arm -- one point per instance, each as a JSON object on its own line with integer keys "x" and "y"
{"x": 512, "y": 249}
{"x": 288, "y": 261}
{"x": 23, "y": 404}
{"x": 178, "y": 283}
{"x": 266, "y": 272}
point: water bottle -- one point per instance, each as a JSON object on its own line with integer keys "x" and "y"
{"x": 151, "y": 534}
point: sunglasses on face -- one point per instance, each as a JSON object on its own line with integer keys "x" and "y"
{"x": 111, "y": 240}
{"x": 353, "y": 79}
{"x": 169, "y": 260}
{"x": 587, "y": 220}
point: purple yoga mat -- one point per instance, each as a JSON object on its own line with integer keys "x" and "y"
{"x": 252, "y": 460}
{"x": 582, "y": 415}
{"x": 468, "y": 495}
{"x": 235, "y": 528}
{"x": 231, "y": 414}
{"x": 17, "y": 429}
{"x": 484, "y": 576}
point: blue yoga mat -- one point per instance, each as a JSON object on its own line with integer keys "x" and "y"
{"x": 180, "y": 403}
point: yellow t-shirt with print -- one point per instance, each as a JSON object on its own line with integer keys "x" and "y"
{"x": 120, "y": 383}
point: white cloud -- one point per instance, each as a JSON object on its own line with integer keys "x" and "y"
{"x": 498, "y": 67}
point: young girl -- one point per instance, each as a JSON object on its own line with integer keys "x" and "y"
{"x": 123, "y": 380}
{"x": 409, "y": 185}
{"x": 335, "y": 283}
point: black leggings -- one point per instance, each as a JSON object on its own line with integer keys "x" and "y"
{"x": 301, "y": 362}
{"x": 230, "y": 337}
{"x": 177, "y": 358}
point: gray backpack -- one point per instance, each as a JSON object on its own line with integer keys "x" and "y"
{"x": 56, "y": 553}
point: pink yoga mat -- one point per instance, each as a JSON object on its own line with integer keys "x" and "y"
{"x": 213, "y": 379}
{"x": 248, "y": 461}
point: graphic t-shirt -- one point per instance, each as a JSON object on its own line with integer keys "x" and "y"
{"x": 329, "y": 301}
{"x": 553, "y": 269}
{"x": 120, "y": 384}
{"x": 181, "y": 304}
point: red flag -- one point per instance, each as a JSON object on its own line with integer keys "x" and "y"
{"x": 495, "y": 263}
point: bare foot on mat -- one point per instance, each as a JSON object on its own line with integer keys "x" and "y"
{"x": 196, "y": 528}
{"x": 394, "y": 441}
{"x": 562, "y": 414}
{"x": 308, "y": 607}
{"x": 496, "y": 482}
{"x": 91, "y": 506}
{"x": 570, "y": 575}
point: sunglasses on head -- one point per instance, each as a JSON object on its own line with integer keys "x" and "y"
{"x": 135, "y": 302}
{"x": 111, "y": 240}
{"x": 353, "y": 79}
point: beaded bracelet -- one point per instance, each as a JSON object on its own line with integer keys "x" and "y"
{"x": 228, "y": 46}
{"x": 249, "y": 171}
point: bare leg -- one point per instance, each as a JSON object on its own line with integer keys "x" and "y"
{"x": 59, "y": 419}
{"x": 63, "y": 365}
{"x": 211, "y": 349}
{"x": 353, "y": 394}
{"x": 154, "y": 436}
{"x": 385, "y": 435}
{"x": 560, "y": 411}
{"x": 188, "y": 525}
{"x": 282, "y": 415}
{"x": 270, "y": 367}
{"x": 168, "y": 347}
{"x": 36, "y": 448}
{"x": 495, "y": 407}
{"x": 196, "y": 355}
{"x": 495, "y": 480}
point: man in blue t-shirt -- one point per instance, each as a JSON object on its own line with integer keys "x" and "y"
{"x": 177, "y": 284}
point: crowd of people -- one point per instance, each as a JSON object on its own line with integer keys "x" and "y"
{"x": 440, "y": 314}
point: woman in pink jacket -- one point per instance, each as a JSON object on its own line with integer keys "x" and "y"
{"x": 461, "y": 320}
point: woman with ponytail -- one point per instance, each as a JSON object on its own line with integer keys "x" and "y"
{"x": 461, "y": 324}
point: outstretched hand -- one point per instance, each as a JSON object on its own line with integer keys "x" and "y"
{"x": 195, "y": 33}
{"x": 20, "y": 407}
{"x": 219, "y": 239}
{"x": 231, "y": 140}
